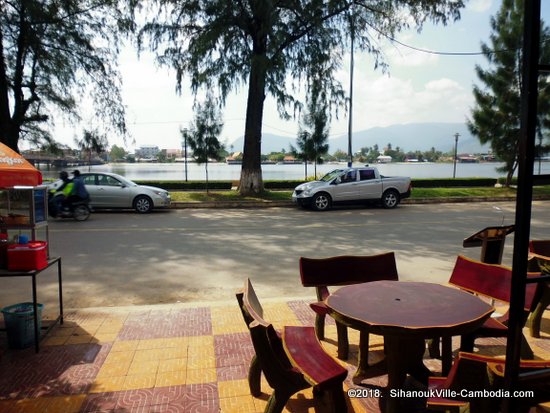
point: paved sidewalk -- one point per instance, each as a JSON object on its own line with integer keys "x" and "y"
{"x": 171, "y": 358}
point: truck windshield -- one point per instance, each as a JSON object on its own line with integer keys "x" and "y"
{"x": 332, "y": 174}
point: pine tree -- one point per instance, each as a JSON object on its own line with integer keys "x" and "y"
{"x": 495, "y": 119}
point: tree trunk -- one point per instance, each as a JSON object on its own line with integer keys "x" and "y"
{"x": 9, "y": 131}
{"x": 251, "y": 173}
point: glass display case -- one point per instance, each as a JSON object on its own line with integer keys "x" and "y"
{"x": 24, "y": 209}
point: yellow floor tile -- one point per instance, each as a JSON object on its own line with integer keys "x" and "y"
{"x": 129, "y": 345}
{"x": 107, "y": 384}
{"x": 151, "y": 344}
{"x": 139, "y": 382}
{"x": 105, "y": 337}
{"x": 65, "y": 404}
{"x": 201, "y": 341}
{"x": 148, "y": 367}
{"x": 80, "y": 339}
{"x": 119, "y": 357}
{"x": 168, "y": 365}
{"x": 233, "y": 388}
{"x": 54, "y": 341}
{"x": 171, "y": 378}
{"x": 197, "y": 376}
{"x": 176, "y": 342}
{"x": 240, "y": 404}
{"x": 114, "y": 369}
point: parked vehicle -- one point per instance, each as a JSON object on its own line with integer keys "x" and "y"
{"x": 108, "y": 190}
{"x": 352, "y": 185}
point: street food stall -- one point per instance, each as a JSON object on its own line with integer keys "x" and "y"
{"x": 23, "y": 213}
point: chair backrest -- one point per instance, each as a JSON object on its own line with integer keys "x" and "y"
{"x": 346, "y": 270}
{"x": 489, "y": 280}
{"x": 268, "y": 346}
{"x": 250, "y": 305}
{"x": 540, "y": 247}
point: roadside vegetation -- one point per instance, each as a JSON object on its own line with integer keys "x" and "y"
{"x": 417, "y": 193}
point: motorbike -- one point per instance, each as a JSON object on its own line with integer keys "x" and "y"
{"x": 79, "y": 210}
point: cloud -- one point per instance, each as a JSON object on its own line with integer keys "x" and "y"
{"x": 479, "y": 6}
{"x": 387, "y": 101}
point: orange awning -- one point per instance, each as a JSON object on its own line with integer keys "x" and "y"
{"x": 16, "y": 170}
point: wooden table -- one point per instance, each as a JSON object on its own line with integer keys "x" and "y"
{"x": 33, "y": 274}
{"x": 406, "y": 313}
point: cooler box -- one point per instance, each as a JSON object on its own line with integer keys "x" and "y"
{"x": 27, "y": 257}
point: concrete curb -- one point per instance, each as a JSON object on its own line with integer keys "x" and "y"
{"x": 288, "y": 204}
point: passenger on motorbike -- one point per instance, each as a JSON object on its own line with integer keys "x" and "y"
{"x": 77, "y": 192}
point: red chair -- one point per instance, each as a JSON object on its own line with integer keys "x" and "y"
{"x": 540, "y": 261}
{"x": 473, "y": 372}
{"x": 343, "y": 270}
{"x": 492, "y": 281}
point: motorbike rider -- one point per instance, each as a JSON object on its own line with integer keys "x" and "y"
{"x": 58, "y": 195}
{"x": 77, "y": 192}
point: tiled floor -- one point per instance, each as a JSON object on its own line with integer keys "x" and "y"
{"x": 168, "y": 358}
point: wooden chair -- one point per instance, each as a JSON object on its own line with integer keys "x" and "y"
{"x": 539, "y": 261}
{"x": 473, "y": 372}
{"x": 343, "y": 270}
{"x": 491, "y": 281}
{"x": 290, "y": 363}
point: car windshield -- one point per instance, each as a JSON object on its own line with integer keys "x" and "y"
{"x": 126, "y": 181}
{"x": 332, "y": 174}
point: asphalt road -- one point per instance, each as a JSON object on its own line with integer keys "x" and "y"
{"x": 191, "y": 255}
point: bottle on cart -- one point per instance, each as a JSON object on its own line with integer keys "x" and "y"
{"x": 4, "y": 242}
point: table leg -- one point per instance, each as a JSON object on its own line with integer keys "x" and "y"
{"x": 35, "y": 315}
{"x": 403, "y": 356}
{"x": 60, "y": 281}
{"x": 363, "y": 357}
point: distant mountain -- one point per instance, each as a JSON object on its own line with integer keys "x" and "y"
{"x": 409, "y": 137}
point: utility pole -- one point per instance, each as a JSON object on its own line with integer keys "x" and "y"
{"x": 350, "y": 119}
{"x": 185, "y": 151}
{"x": 456, "y": 154}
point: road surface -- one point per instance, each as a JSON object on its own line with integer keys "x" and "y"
{"x": 193, "y": 255}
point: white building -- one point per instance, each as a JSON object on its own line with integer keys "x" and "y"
{"x": 147, "y": 152}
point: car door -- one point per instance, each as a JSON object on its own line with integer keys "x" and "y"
{"x": 346, "y": 187}
{"x": 112, "y": 192}
{"x": 90, "y": 182}
{"x": 369, "y": 186}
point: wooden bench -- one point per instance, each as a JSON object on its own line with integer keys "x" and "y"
{"x": 474, "y": 372}
{"x": 539, "y": 261}
{"x": 343, "y": 270}
{"x": 290, "y": 363}
{"x": 492, "y": 281}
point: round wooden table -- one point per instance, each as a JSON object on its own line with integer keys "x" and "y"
{"x": 406, "y": 313}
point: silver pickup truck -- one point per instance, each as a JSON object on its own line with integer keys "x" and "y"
{"x": 352, "y": 185}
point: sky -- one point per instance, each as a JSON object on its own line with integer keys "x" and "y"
{"x": 420, "y": 87}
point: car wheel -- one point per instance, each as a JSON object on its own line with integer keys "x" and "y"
{"x": 390, "y": 199}
{"x": 143, "y": 204}
{"x": 321, "y": 202}
{"x": 81, "y": 213}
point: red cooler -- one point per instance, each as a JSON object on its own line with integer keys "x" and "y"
{"x": 26, "y": 257}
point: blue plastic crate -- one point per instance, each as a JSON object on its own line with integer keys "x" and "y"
{"x": 19, "y": 322}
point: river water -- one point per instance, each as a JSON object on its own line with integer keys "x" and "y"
{"x": 224, "y": 172}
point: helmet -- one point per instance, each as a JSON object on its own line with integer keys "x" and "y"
{"x": 63, "y": 175}
{"x": 76, "y": 172}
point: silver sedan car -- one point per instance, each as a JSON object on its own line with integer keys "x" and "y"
{"x": 108, "y": 190}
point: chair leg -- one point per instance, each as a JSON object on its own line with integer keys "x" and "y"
{"x": 320, "y": 326}
{"x": 255, "y": 377}
{"x": 343, "y": 341}
{"x": 338, "y": 401}
{"x": 433, "y": 348}
{"x": 535, "y": 317}
{"x": 277, "y": 401}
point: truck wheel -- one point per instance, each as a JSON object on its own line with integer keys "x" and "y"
{"x": 321, "y": 202}
{"x": 390, "y": 199}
